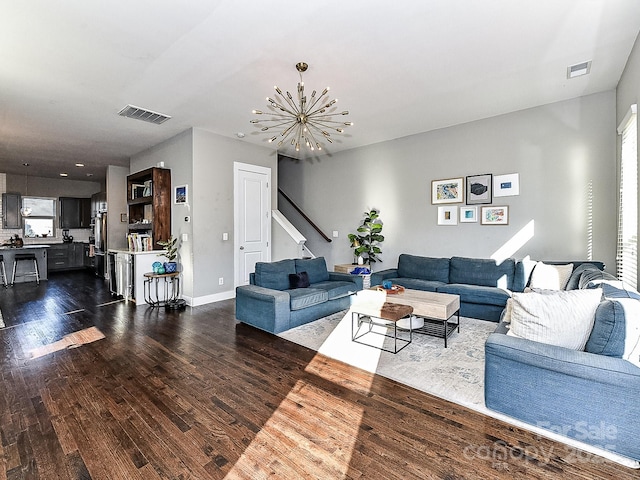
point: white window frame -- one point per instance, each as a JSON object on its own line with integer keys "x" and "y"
{"x": 627, "y": 245}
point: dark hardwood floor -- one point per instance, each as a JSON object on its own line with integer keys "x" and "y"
{"x": 196, "y": 395}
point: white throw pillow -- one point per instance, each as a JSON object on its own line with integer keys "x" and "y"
{"x": 563, "y": 318}
{"x": 551, "y": 277}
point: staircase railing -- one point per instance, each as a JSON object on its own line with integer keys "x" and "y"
{"x": 304, "y": 215}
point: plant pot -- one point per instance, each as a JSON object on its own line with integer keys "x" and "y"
{"x": 170, "y": 267}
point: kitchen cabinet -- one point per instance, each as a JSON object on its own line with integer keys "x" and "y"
{"x": 11, "y": 203}
{"x": 75, "y": 212}
{"x": 66, "y": 256}
{"x": 149, "y": 204}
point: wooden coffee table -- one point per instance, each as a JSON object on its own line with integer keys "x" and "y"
{"x": 435, "y": 308}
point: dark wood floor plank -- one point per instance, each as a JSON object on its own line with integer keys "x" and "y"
{"x": 195, "y": 394}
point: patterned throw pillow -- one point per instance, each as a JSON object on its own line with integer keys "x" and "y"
{"x": 563, "y": 318}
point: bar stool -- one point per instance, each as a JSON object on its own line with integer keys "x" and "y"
{"x": 26, "y": 256}
{"x": 4, "y": 272}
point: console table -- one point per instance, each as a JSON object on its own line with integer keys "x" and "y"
{"x": 349, "y": 267}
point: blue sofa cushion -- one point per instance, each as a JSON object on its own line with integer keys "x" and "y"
{"x": 611, "y": 291}
{"x": 523, "y": 270}
{"x": 299, "y": 280}
{"x": 594, "y": 278}
{"x": 316, "y": 268}
{"x": 336, "y": 288}
{"x": 306, "y": 297}
{"x": 482, "y": 271}
{"x": 423, "y": 268}
{"x": 477, "y": 294}
{"x": 608, "y": 334}
{"x": 274, "y": 275}
{"x": 574, "y": 279}
{"x": 417, "y": 284}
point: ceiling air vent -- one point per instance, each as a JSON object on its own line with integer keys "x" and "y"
{"x": 579, "y": 69}
{"x": 138, "y": 113}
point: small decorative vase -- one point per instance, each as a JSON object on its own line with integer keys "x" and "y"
{"x": 360, "y": 260}
{"x": 170, "y": 267}
{"x": 157, "y": 266}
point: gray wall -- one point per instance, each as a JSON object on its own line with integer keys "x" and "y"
{"x": 176, "y": 154}
{"x": 213, "y": 160}
{"x": 563, "y": 152}
{"x": 204, "y": 162}
{"x": 627, "y": 94}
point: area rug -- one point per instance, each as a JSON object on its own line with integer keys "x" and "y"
{"x": 72, "y": 340}
{"x": 455, "y": 373}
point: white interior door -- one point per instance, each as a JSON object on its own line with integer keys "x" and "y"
{"x": 252, "y": 219}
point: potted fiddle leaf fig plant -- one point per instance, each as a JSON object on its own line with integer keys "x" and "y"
{"x": 170, "y": 251}
{"x": 366, "y": 243}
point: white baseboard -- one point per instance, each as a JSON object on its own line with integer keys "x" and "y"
{"x": 217, "y": 297}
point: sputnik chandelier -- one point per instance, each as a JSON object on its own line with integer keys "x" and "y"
{"x": 305, "y": 121}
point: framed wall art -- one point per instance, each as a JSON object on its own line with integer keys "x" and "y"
{"x": 479, "y": 188}
{"x": 448, "y": 215}
{"x": 468, "y": 214}
{"x": 180, "y": 195}
{"x": 447, "y": 191}
{"x": 498, "y": 215}
{"x": 506, "y": 185}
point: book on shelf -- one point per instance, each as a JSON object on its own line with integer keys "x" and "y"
{"x": 139, "y": 242}
{"x": 137, "y": 190}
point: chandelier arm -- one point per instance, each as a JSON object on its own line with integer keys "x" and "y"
{"x": 291, "y": 103}
{"x": 313, "y": 140}
{"x": 324, "y": 92}
{"x": 338, "y": 126}
{"x": 281, "y": 107}
{"x": 320, "y": 130}
{"x": 293, "y": 123}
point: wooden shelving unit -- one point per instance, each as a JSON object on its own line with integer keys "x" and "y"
{"x": 149, "y": 203}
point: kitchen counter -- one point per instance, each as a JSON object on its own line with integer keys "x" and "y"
{"x": 8, "y": 253}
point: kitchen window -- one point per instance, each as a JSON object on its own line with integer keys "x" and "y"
{"x": 40, "y": 220}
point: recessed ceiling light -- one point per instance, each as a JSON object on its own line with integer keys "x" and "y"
{"x": 240, "y": 135}
{"x": 26, "y": 164}
{"x": 64, "y": 174}
{"x": 579, "y": 69}
{"x": 79, "y": 164}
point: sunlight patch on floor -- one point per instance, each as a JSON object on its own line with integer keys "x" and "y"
{"x": 302, "y": 411}
{"x": 72, "y": 340}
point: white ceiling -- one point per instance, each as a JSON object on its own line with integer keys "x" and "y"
{"x": 400, "y": 68}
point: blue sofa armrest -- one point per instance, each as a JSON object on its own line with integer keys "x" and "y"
{"x": 378, "y": 277}
{"x": 565, "y": 391}
{"x": 263, "y": 308}
{"x": 347, "y": 277}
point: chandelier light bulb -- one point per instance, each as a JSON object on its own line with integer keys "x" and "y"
{"x": 301, "y": 118}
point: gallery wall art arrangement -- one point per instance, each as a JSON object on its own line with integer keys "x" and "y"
{"x": 474, "y": 190}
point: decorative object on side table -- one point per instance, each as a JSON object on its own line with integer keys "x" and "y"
{"x": 366, "y": 242}
{"x": 171, "y": 252}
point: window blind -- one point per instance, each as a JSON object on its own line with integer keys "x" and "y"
{"x": 627, "y": 254}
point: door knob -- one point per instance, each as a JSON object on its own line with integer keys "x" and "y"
{"x": 241, "y": 248}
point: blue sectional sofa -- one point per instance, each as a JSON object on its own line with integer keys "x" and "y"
{"x": 591, "y": 395}
{"x": 270, "y": 303}
{"x": 483, "y": 285}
